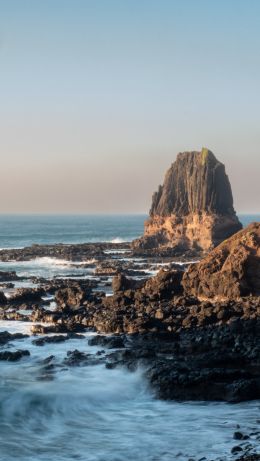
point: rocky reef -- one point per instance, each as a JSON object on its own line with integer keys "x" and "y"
{"x": 193, "y": 209}
{"x": 195, "y": 331}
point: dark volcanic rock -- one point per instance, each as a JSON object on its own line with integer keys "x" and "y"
{"x": 110, "y": 342}
{"x": 26, "y": 295}
{"x": 213, "y": 363}
{"x": 56, "y": 339}
{"x": 230, "y": 271}
{"x": 70, "y": 252}
{"x": 78, "y": 358}
{"x": 6, "y": 276}
{"x": 3, "y": 299}
{"x": 72, "y": 297}
{"x": 11, "y": 356}
{"x": 194, "y": 207}
{"x": 69, "y": 327}
{"x": 122, "y": 283}
{"x": 5, "y": 337}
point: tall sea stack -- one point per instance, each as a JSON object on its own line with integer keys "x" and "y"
{"x": 193, "y": 209}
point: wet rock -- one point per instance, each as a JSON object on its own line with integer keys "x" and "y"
{"x": 239, "y": 436}
{"x": 78, "y": 358}
{"x": 48, "y": 360}
{"x": 58, "y": 328}
{"x": 110, "y": 342}
{"x": 72, "y": 252}
{"x": 6, "y": 276}
{"x": 72, "y": 297}
{"x": 3, "y": 300}
{"x": 7, "y": 285}
{"x": 56, "y": 339}
{"x": 5, "y": 337}
{"x": 11, "y": 356}
{"x": 249, "y": 457}
{"x": 236, "y": 449}
{"x": 26, "y": 295}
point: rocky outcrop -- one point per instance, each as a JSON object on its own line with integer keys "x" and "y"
{"x": 72, "y": 297}
{"x": 27, "y": 295}
{"x": 230, "y": 271}
{"x": 194, "y": 207}
{"x": 122, "y": 283}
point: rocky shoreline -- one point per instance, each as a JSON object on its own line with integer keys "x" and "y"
{"x": 189, "y": 348}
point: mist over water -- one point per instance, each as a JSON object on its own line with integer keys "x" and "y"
{"x": 91, "y": 413}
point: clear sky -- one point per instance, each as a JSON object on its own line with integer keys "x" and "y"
{"x": 98, "y": 96}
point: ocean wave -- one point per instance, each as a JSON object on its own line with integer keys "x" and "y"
{"x": 118, "y": 240}
{"x": 48, "y": 261}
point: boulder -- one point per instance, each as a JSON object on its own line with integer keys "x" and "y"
{"x": 230, "y": 271}
{"x": 164, "y": 285}
{"x": 27, "y": 295}
{"x": 122, "y": 283}
{"x": 13, "y": 356}
{"x": 71, "y": 297}
{"x": 6, "y": 276}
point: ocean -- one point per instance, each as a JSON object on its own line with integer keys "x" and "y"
{"x": 22, "y": 230}
{"x": 90, "y": 413}
{"x": 18, "y": 231}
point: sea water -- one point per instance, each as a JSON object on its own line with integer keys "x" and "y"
{"x": 90, "y": 413}
{"x": 17, "y": 231}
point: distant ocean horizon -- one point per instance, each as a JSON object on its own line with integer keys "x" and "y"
{"x": 20, "y": 230}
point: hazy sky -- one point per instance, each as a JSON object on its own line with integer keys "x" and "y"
{"x": 98, "y": 96}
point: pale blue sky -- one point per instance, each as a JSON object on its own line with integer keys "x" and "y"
{"x": 97, "y": 98}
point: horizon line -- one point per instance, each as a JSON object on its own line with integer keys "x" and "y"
{"x": 101, "y": 213}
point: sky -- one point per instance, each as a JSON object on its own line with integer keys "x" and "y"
{"x": 97, "y": 97}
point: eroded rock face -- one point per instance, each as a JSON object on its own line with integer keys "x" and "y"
{"x": 230, "y": 271}
{"x": 194, "y": 207}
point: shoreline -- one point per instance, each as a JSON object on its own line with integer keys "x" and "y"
{"x": 189, "y": 350}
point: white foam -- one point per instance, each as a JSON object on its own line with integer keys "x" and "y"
{"x": 118, "y": 240}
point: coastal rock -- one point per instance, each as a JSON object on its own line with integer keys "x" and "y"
{"x": 5, "y": 337}
{"x": 122, "y": 283}
{"x": 3, "y": 299}
{"x": 230, "y": 271}
{"x": 194, "y": 207}
{"x": 26, "y": 295}
{"x": 72, "y": 297}
{"x": 56, "y": 339}
{"x": 86, "y": 252}
{"x": 164, "y": 285}
{"x": 13, "y": 356}
{"x": 6, "y": 276}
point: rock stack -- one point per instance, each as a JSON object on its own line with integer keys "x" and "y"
{"x": 193, "y": 209}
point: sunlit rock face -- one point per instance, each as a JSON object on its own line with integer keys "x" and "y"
{"x": 193, "y": 209}
{"x": 230, "y": 271}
